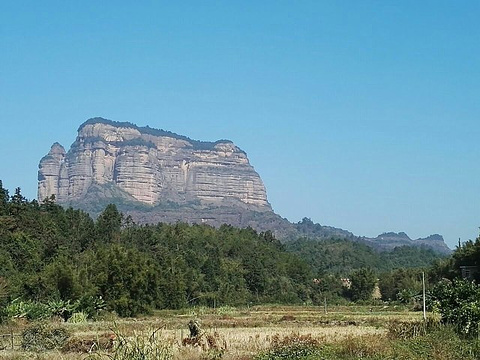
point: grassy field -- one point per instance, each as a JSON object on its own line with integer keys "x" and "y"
{"x": 228, "y": 333}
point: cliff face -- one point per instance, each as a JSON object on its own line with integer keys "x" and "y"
{"x": 150, "y": 166}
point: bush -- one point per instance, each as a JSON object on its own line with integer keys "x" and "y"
{"x": 441, "y": 344}
{"x": 91, "y": 306}
{"x": 31, "y": 310}
{"x": 459, "y": 304}
{"x": 61, "y": 308}
{"x": 28, "y": 309}
{"x": 78, "y": 318}
{"x": 226, "y": 310}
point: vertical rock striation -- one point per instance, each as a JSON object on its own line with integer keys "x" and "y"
{"x": 150, "y": 166}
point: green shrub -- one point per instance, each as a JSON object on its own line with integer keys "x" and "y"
{"x": 442, "y": 343}
{"x": 91, "y": 306}
{"x": 226, "y": 310}
{"x": 61, "y": 308}
{"x": 459, "y": 304}
{"x": 28, "y": 309}
{"x": 77, "y": 318}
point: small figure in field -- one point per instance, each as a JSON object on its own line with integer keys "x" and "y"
{"x": 194, "y": 327}
{"x": 195, "y": 336}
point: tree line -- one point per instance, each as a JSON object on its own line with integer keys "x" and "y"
{"x": 48, "y": 253}
{"x": 55, "y": 255}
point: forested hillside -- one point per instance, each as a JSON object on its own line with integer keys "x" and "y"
{"x": 48, "y": 253}
{"x": 341, "y": 256}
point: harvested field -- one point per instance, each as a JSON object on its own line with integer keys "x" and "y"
{"x": 230, "y": 333}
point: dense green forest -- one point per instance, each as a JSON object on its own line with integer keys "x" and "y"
{"x": 341, "y": 256}
{"x": 51, "y": 254}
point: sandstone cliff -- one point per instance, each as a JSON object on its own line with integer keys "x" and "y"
{"x": 151, "y": 167}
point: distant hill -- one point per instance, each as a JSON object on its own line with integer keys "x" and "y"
{"x": 384, "y": 242}
{"x": 342, "y": 256}
{"x": 391, "y": 240}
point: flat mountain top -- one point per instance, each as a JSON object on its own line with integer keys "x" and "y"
{"x": 151, "y": 166}
{"x": 196, "y": 144}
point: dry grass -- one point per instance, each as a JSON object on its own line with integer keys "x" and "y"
{"x": 250, "y": 341}
{"x": 239, "y": 333}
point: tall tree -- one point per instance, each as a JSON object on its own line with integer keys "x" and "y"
{"x": 3, "y": 199}
{"x": 363, "y": 283}
{"x": 109, "y": 224}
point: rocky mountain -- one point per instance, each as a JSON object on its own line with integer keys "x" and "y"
{"x": 151, "y": 167}
{"x": 159, "y": 176}
{"x": 384, "y": 242}
{"x": 390, "y": 240}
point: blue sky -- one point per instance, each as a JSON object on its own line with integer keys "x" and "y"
{"x": 362, "y": 115}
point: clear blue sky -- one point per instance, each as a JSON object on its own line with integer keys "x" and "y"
{"x": 363, "y": 115}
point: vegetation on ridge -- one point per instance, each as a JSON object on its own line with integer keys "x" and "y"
{"x": 197, "y": 144}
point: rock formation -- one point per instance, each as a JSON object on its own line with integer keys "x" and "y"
{"x": 158, "y": 176}
{"x": 390, "y": 240}
{"x": 151, "y": 167}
